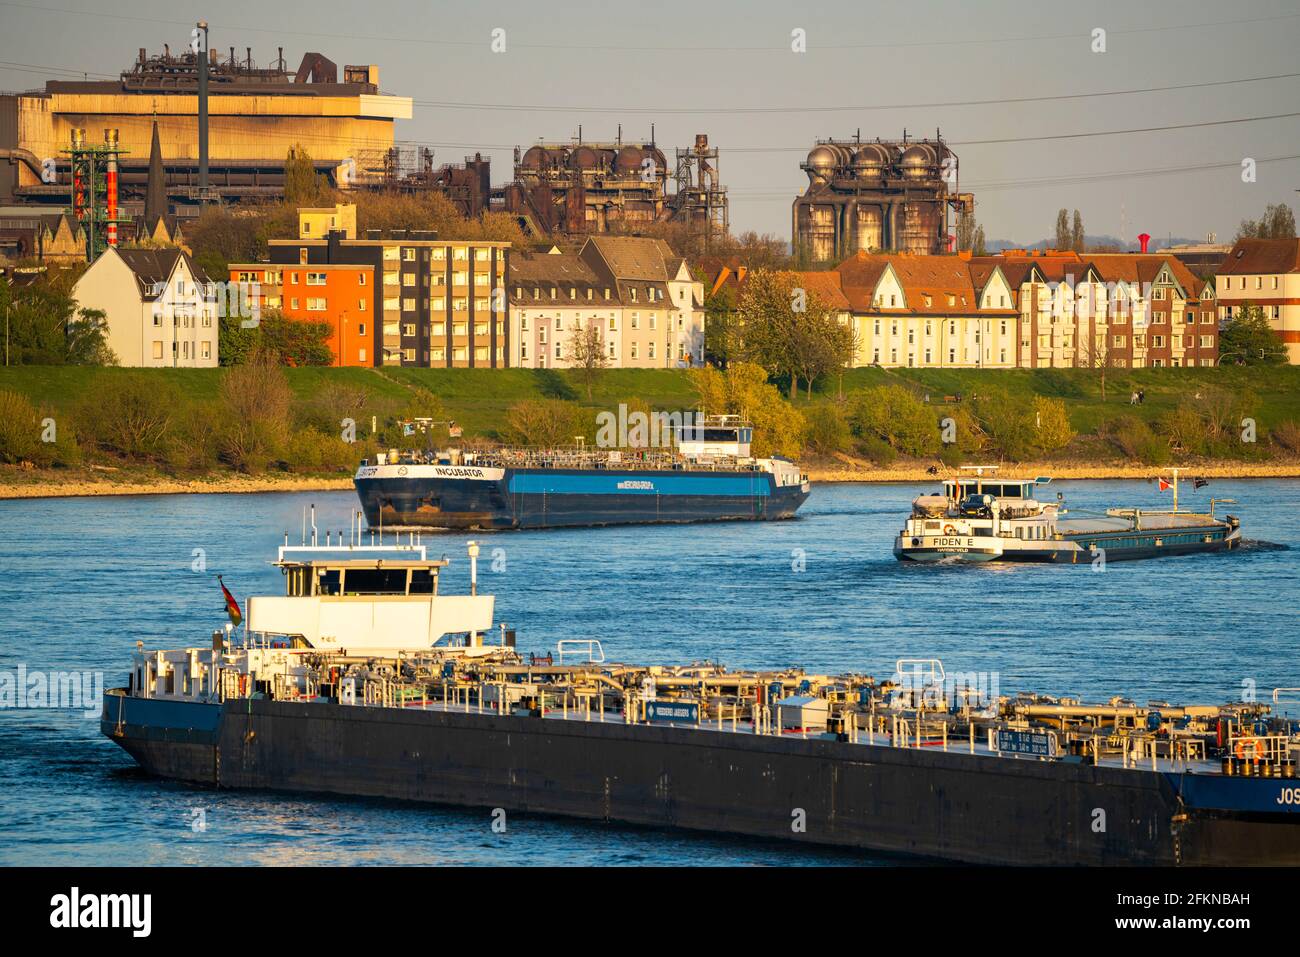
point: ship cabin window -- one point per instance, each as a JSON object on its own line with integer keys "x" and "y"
{"x": 374, "y": 581}
{"x": 328, "y": 581}
{"x": 423, "y": 582}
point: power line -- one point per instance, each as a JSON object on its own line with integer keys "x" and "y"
{"x": 996, "y": 101}
{"x": 782, "y": 47}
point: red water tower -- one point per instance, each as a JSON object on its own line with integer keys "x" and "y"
{"x": 1144, "y": 238}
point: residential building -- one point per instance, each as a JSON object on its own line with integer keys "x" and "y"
{"x": 1264, "y": 273}
{"x": 161, "y": 308}
{"x": 643, "y": 300}
{"x": 1121, "y": 310}
{"x": 317, "y": 222}
{"x": 437, "y": 303}
{"x": 338, "y": 294}
{"x": 923, "y": 311}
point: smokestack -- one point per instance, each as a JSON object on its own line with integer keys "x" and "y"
{"x": 1144, "y": 238}
{"x": 110, "y": 184}
{"x": 202, "y": 57}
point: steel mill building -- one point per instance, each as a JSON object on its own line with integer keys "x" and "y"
{"x": 256, "y": 115}
{"x": 877, "y": 196}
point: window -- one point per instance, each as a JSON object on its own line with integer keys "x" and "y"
{"x": 361, "y": 279}
{"x": 633, "y": 350}
{"x": 654, "y": 322}
{"x": 439, "y": 253}
{"x": 559, "y": 350}
{"x": 523, "y": 350}
{"x": 408, "y": 329}
{"x": 206, "y": 348}
{"x": 408, "y": 278}
{"x": 293, "y": 303}
{"x": 408, "y": 355}
{"x": 408, "y": 254}
{"x": 480, "y": 354}
{"x": 157, "y": 318}
{"x": 316, "y": 305}
{"x": 408, "y": 304}
{"x": 361, "y": 328}
{"x": 315, "y": 279}
{"x": 293, "y": 279}
{"x": 651, "y": 351}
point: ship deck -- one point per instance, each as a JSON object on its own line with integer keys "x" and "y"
{"x": 929, "y": 739}
{"x": 1150, "y": 522}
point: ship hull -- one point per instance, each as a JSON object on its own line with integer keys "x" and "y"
{"x": 558, "y": 498}
{"x": 1066, "y": 551}
{"x": 914, "y": 801}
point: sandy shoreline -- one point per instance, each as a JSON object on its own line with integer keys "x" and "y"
{"x": 57, "y": 488}
{"x": 54, "y": 486}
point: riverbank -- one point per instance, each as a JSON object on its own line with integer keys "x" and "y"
{"x": 51, "y": 484}
{"x": 56, "y": 483}
{"x": 847, "y": 469}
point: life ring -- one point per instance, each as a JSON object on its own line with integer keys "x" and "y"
{"x": 949, "y": 530}
{"x": 1253, "y": 744}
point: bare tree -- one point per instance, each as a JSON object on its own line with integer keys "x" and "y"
{"x": 587, "y": 346}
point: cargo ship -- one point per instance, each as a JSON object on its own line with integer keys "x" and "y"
{"x": 367, "y": 679}
{"x": 982, "y": 517}
{"x": 708, "y": 474}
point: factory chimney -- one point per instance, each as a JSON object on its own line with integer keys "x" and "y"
{"x": 201, "y": 56}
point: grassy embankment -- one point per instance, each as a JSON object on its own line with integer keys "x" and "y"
{"x": 480, "y": 399}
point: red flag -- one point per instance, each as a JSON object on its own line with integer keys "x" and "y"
{"x": 1164, "y": 486}
{"x": 232, "y": 606}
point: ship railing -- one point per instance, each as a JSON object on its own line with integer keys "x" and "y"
{"x": 590, "y": 648}
{"x": 1259, "y": 748}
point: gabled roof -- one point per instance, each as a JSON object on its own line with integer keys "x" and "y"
{"x": 1261, "y": 257}
{"x": 632, "y": 258}
{"x": 825, "y": 286}
{"x": 154, "y": 266}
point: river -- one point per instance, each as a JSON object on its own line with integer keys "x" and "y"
{"x": 81, "y": 580}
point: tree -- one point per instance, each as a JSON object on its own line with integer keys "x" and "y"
{"x": 303, "y": 186}
{"x": 87, "y": 342}
{"x": 1063, "y": 237}
{"x": 789, "y": 331}
{"x": 1096, "y": 354}
{"x": 721, "y": 324}
{"x": 978, "y": 246}
{"x": 743, "y": 390}
{"x": 1248, "y": 338}
{"x": 292, "y": 342}
{"x": 544, "y": 422}
{"x": 587, "y": 347}
{"x": 897, "y": 416}
{"x": 1278, "y": 222}
{"x": 132, "y": 414}
{"x": 1076, "y": 233}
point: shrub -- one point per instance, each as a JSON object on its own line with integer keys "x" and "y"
{"x": 20, "y": 428}
{"x": 1053, "y": 425}
{"x": 895, "y": 415}
{"x": 132, "y": 415}
{"x": 878, "y": 450}
{"x": 1135, "y": 440}
{"x": 827, "y": 429}
{"x": 254, "y": 405}
{"x": 545, "y": 422}
{"x": 1287, "y": 435}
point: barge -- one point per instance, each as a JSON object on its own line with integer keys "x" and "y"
{"x": 366, "y": 679}
{"x": 708, "y": 475}
{"x": 981, "y": 517}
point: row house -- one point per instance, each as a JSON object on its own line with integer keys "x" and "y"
{"x": 1115, "y": 310}
{"x": 919, "y": 311}
{"x": 1264, "y": 273}
{"x": 645, "y": 307}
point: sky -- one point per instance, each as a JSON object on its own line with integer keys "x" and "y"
{"x": 1022, "y": 74}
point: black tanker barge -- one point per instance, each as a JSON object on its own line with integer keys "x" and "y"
{"x": 364, "y": 680}
{"x": 705, "y": 473}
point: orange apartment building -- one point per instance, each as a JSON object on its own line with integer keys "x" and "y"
{"x": 340, "y": 295}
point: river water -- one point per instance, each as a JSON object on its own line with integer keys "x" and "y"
{"x": 81, "y": 580}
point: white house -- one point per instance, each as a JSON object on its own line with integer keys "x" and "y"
{"x": 161, "y": 308}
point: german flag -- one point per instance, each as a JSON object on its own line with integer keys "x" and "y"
{"x": 232, "y": 606}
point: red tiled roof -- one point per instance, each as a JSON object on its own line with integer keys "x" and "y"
{"x": 1261, "y": 257}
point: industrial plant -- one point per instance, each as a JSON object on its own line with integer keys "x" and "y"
{"x": 878, "y": 196}
{"x": 223, "y": 115}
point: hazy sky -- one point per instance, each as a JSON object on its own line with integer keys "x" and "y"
{"x": 726, "y": 68}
